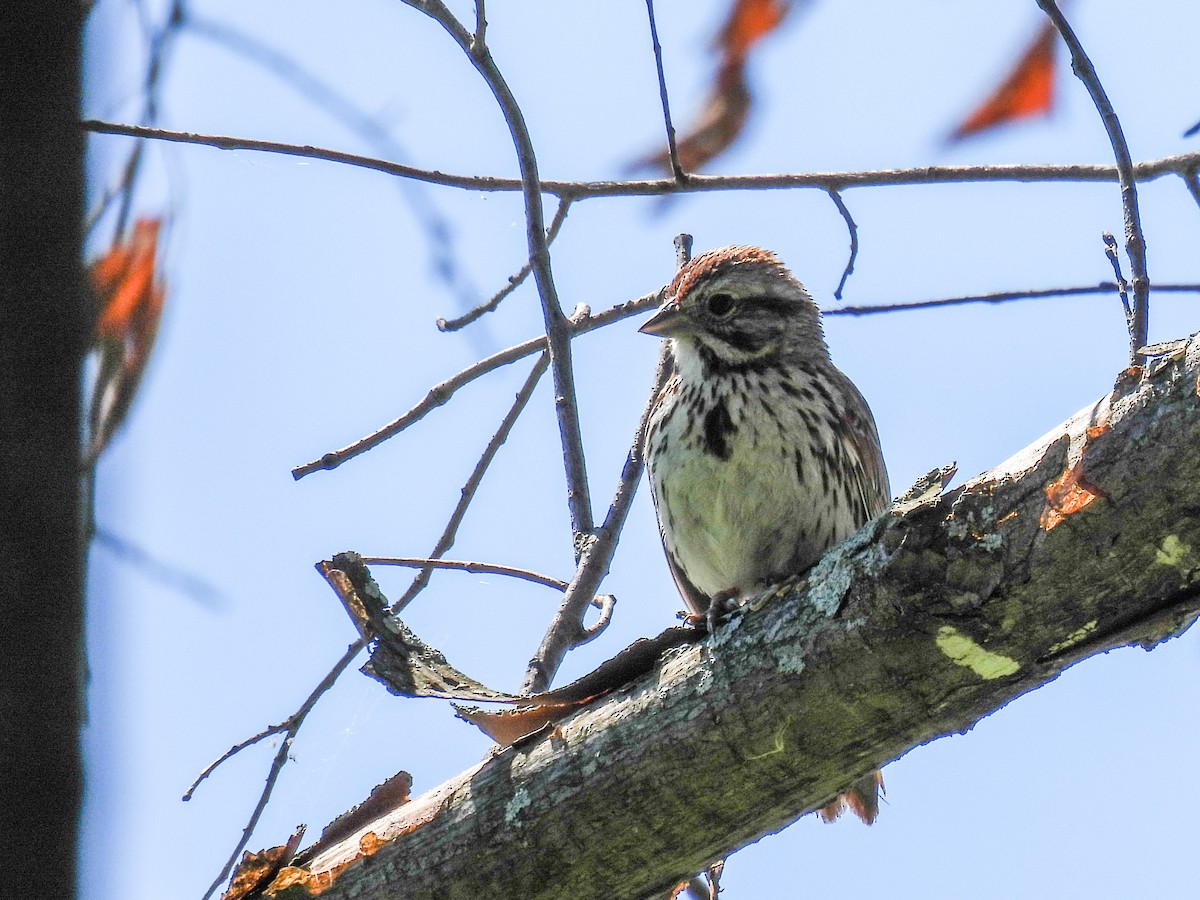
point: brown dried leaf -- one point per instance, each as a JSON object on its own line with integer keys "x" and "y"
{"x": 507, "y": 726}
{"x": 384, "y": 798}
{"x": 719, "y": 124}
{"x": 257, "y": 870}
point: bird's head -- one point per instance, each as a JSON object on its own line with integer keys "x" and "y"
{"x": 737, "y": 307}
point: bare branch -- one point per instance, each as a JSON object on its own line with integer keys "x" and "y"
{"x": 467, "y": 494}
{"x": 558, "y": 330}
{"x": 852, "y": 227}
{"x": 1104, "y": 287}
{"x": 230, "y": 753}
{"x": 1149, "y": 170}
{"x": 566, "y": 630}
{"x": 1110, "y": 250}
{"x": 514, "y": 282}
{"x": 1193, "y": 183}
{"x": 292, "y": 725}
{"x": 672, "y": 149}
{"x": 1135, "y": 241}
{"x": 289, "y": 729}
{"x": 443, "y": 391}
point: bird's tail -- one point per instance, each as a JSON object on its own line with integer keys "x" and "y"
{"x": 861, "y": 798}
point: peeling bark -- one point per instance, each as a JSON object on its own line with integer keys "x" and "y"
{"x": 923, "y": 623}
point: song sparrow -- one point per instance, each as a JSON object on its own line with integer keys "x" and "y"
{"x": 762, "y": 454}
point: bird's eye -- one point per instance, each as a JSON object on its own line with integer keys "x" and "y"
{"x": 719, "y": 305}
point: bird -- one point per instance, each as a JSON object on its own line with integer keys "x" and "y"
{"x": 761, "y": 453}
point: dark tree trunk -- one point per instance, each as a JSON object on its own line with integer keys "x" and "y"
{"x": 42, "y": 340}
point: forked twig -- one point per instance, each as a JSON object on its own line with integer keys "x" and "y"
{"x": 580, "y": 323}
{"x": 1110, "y": 250}
{"x": 289, "y": 728}
{"x": 566, "y": 631}
{"x": 292, "y": 724}
{"x": 558, "y": 330}
{"x": 1135, "y": 240}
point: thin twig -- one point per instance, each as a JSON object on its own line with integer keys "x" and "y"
{"x": 440, "y": 393}
{"x": 514, "y": 282}
{"x": 566, "y": 631}
{"x": 443, "y": 391}
{"x": 475, "y": 568}
{"x": 1135, "y": 240}
{"x": 683, "y": 249}
{"x": 174, "y": 577}
{"x": 288, "y": 728}
{"x": 1114, "y": 257}
{"x": 558, "y": 330}
{"x": 1104, "y": 287}
{"x": 480, "y": 22}
{"x": 852, "y": 227}
{"x": 291, "y": 726}
{"x": 230, "y": 753}
{"x": 606, "y": 602}
{"x": 1193, "y": 183}
{"x": 1148, "y": 170}
{"x": 467, "y": 494}
{"x": 672, "y": 149}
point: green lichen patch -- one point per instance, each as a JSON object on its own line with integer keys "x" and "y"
{"x": 1075, "y": 637}
{"x": 1173, "y": 552}
{"x": 965, "y": 652}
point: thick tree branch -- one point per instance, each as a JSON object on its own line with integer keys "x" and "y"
{"x": 917, "y": 627}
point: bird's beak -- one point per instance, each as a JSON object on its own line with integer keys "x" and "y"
{"x": 668, "y": 321}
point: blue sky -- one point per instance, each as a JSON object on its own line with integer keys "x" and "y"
{"x": 301, "y": 308}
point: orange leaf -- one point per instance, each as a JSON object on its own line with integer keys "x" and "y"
{"x": 1027, "y": 91}
{"x": 748, "y": 22}
{"x": 130, "y": 299}
{"x": 123, "y": 280}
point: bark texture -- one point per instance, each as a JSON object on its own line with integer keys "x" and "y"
{"x": 42, "y": 337}
{"x": 929, "y": 619}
